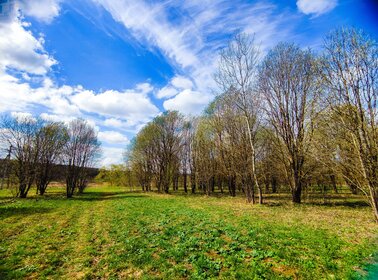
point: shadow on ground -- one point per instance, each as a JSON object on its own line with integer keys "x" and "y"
{"x": 95, "y": 196}
{"x": 11, "y": 210}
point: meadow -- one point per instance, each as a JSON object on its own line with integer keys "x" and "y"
{"x": 113, "y": 233}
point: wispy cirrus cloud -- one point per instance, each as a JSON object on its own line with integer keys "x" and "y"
{"x": 190, "y": 35}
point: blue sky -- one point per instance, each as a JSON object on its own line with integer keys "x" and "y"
{"x": 119, "y": 63}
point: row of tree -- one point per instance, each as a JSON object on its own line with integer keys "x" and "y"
{"x": 117, "y": 175}
{"x": 291, "y": 118}
{"x": 36, "y": 147}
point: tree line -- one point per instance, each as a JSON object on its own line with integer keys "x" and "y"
{"x": 36, "y": 149}
{"x": 292, "y": 118}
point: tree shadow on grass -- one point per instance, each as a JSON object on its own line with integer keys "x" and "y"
{"x": 351, "y": 204}
{"x": 6, "y": 212}
{"x": 104, "y": 196}
{"x": 328, "y": 203}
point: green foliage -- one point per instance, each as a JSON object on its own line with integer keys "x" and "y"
{"x": 115, "y": 175}
{"x": 109, "y": 233}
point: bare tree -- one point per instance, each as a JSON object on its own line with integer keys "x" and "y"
{"x": 156, "y": 150}
{"x": 288, "y": 81}
{"x": 52, "y": 138}
{"x": 349, "y": 70}
{"x": 20, "y": 133}
{"x": 80, "y": 153}
{"x": 142, "y": 156}
{"x": 168, "y": 141}
{"x": 185, "y": 152}
{"x": 236, "y": 76}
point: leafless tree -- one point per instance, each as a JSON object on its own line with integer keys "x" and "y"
{"x": 155, "y": 152}
{"x": 185, "y": 153}
{"x": 20, "y": 133}
{"x": 289, "y": 83}
{"x": 236, "y": 76}
{"x": 168, "y": 139}
{"x": 52, "y": 138}
{"x": 80, "y": 153}
{"x": 349, "y": 70}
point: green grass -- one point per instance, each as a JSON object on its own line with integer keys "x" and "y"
{"x": 110, "y": 233}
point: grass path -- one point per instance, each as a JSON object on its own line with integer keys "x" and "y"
{"x": 108, "y": 233}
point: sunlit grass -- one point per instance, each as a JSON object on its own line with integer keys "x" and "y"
{"x": 111, "y": 233}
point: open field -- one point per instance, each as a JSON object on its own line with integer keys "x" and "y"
{"x": 111, "y": 233}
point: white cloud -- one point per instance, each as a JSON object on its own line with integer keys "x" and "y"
{"x": 113, "y": 122}
{"x": 188, "y": 102}
{"x": 127, "y": 105}
{"x": 112, "y": 137}
{"x": 166, "y": 92}
{"x": 182, "y": 82}
{"x": 316, "y": 7}
{"x": 144, "y": 88}
{"x": 43, "y": 10}
{"x": 150, "y": 22}
{"x": 19, "y": 49}
{"x": 56, "y": 118}
{"x": 25, "y": 55}
{"x": 111, "y": 155}
{"x": 21, "y": 115}
{"x": 192, "y": 41}
{"x": 176, "y": 84}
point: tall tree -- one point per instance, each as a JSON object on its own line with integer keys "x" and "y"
{"x": 20, "y": 133}
{"x": 168, "y": 140}
{"x": 155, "y": 151}
{"x": 52, "y": 138}
{"x": 81, "y": 151}
{"x": 236, "y": 76}
{"x": 349, "y": 70}
{"x": 289, "y": 82}
{"x": 142, "y": 155}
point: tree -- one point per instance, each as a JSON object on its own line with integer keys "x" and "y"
{"x": 289, "y": 82}
{"x": 168, "y": 142}
{"x": 142, "y": 156}
{"x": 80, "y": 153}
{"x": 115, "y": 175}
{"x": 52, "y": 138}
{"x": 236, "y": 76}
{"x": 185, "y": 152}
{"x": 349, "y": 69}
{"x": 155, "y": 152}
{"x": 20, "y": 133}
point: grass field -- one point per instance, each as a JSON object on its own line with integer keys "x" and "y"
{"x": 114, "y": 234}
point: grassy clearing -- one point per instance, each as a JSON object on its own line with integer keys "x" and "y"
{"x": 111, "y": 233}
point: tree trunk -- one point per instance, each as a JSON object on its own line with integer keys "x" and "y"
{"x": 253, "y": 160}
{"x": 260, "y": 195}
{"x": 220, "y": 184}
{"x": 185, "y": 182}
{"x": 232, "y": 185}
{"x": 212, "y": 180}
{"x": 353, "y": 187}
{"x": 274, "y": 185}
{"x": 69, "y": 191}
{"x": 23, "y": 192}
{"x": 296, "y": 192}
{"x": 374, "y": 199}
{"x": 267, "y": 184}
{"x": 42, "y": 189}
{"x": 334, "y": 185}
{"x": 193, "y": 182}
